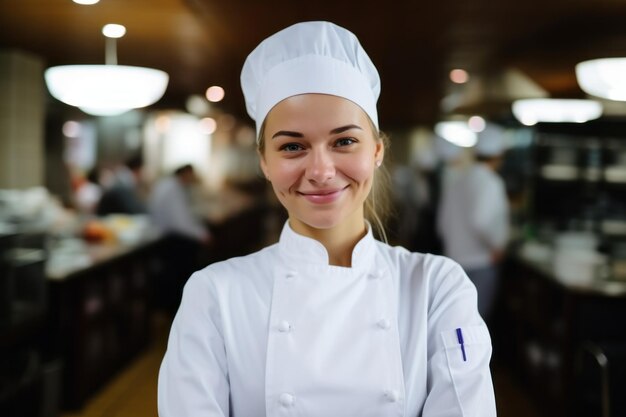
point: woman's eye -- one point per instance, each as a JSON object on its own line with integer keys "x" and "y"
{"x": 345, "y": 142}
{"x": 291, "y": 147}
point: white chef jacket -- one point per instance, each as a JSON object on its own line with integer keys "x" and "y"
{"x": 283, "y": 333}
{"x": 170, "y": 210}
{"x": 473, "y": 216}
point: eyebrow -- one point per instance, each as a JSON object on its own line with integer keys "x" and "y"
{"x": 344, "y": 128}
{"x": 287, "y": 133}
{"x": 300, "y": 135}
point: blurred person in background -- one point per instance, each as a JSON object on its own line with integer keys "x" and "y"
{"x": 170, "y": 207}
{"x": 123, "y": 193}
{"x": 473, "y": 217}
{"x": 452, "y": 163}
{"x": 416, "y": 190}
{"x": 88, "y": 192}
{"x": 328, "y": 321}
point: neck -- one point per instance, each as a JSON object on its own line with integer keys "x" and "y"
{"x": 339, "y": 241}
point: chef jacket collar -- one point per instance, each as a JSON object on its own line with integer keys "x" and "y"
{"x": 299, "y": 249}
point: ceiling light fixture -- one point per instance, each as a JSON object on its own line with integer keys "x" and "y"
{"x": 532, "y": 111}
{"x": 215, "y": 94}
{"x": 459, "y": 76}
{"x": 476, "y": 124}
{"x": 110, "y": 89}
{"x": 86, "y": 2}
{"x": 603, "y": 78}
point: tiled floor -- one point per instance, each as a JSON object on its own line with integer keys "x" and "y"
{"x": 133, "y": 392}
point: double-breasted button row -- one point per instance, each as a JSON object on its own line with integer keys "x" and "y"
{"x": 287, "y": 400}
{"x": 285, "y": 327}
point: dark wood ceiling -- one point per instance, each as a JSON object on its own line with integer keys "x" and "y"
{"x": 413, "y": 43}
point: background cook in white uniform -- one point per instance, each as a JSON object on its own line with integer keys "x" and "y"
{"x": 473, "y": 217}
{"x": 298, "y": 329}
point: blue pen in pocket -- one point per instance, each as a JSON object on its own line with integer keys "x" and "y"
{"x": 459, "y": 336}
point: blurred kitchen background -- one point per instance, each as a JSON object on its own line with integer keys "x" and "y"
{"x": 89, "y": 284}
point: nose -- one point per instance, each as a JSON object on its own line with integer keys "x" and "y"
{"x": 320, "y": 167}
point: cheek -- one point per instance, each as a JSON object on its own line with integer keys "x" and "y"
{"x": 360, "y": 170}
{"x": 284, "y": 173}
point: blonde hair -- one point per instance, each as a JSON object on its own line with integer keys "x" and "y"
{"x": 377, "y": 206}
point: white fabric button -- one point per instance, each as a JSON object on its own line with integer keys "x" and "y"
{"x": 286, "y": 399}
{"x": 384, "y": 324}
{"x": 284, "y": 326}
{"x": 392, "y": 396}
{"x": 290, "y": 275}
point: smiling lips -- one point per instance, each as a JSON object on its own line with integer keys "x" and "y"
{"x": 322, "y": 196}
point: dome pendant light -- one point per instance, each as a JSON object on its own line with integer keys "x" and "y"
{"x": 110, "y": 89}
{"x": 603, "y": 78}
{"x": 531, "y": 111}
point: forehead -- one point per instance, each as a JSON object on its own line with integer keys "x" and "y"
{"x": 315, "y": 111}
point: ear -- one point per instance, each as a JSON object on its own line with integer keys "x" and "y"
{"x": 263, "y": 164}
{"x": 379, "y": 153}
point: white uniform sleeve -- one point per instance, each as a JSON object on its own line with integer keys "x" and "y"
{"x": 193, "y": 379}
{"x": 459, "y": 378}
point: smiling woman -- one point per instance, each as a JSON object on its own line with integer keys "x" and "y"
{"x": 377, "y": 205}
{"x": 328, "y": 321}
{"x": 320, "y": 161}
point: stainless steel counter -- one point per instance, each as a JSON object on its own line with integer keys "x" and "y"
{"x": 75, "y": 255}
{"x": 606, "y": 286}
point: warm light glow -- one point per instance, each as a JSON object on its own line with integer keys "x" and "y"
{"x": 603, "y": 78}
{"x": 457, "y": 132}
{"x": 476, "y": 124}
{"x": 71, "y": 129}
{"x": 208, "y": 125}
{"x": 162, "y": 123}
{"x": 459, "y": 76}
{"x": 113, "y": 30}
{"x": 533, "y": 111}
{"x": 86, "y": 2}
{"x": 215, "y": 93}
{"x": 106, "y": 89}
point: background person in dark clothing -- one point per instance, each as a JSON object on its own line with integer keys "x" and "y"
{"x": 123, "y": 195}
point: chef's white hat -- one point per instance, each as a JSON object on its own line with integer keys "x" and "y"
{"x": 309, "y": 57}
{"x": 491, "y": 141}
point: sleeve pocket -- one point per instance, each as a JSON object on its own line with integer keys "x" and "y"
{"x": 467, "y": 353}
{"x": 466, "y": 344}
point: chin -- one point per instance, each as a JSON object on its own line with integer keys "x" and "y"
{"x": 319, "y": 222}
